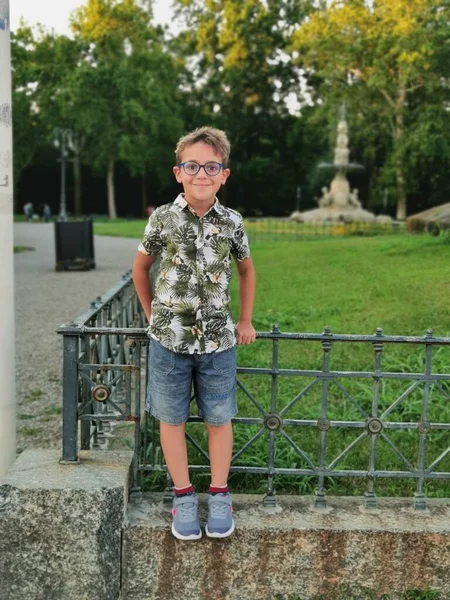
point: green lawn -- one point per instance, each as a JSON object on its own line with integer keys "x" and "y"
{"x": 264, "y": 230}
{"x": 354, "y": 285}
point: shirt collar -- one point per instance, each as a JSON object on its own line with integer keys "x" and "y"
{"x": 181, "y": 203}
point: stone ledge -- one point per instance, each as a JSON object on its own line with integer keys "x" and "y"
{"x": 294, "y": 550}
{"x": 60, "y": 526}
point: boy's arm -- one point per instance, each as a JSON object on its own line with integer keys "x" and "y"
{"x": 141, "y": 268}
{"x": 245, "y": 331}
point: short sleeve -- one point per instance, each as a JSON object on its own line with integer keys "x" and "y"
{"x": 239, "y": 244}
{"x": 151, "y": 244}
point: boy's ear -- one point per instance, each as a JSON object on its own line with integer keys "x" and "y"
{"x": 177, "y": 173}
{"x": 225, "y": 174}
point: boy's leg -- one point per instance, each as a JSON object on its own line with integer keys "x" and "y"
{"x": 185, "y": 523}
{"x": 220, "y": 445}
{"x": 216, "y": 398}
{"x": 173, "y": 442}
{"x": 220, "y": 510}
{"x": 168, "y": 398}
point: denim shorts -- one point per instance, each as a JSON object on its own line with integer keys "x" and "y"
{"x": 171, "y": 376}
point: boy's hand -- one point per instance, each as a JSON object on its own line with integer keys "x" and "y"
{"x": 246, "y": 333}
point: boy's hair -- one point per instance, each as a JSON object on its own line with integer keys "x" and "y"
{"x": 216, "y": 138}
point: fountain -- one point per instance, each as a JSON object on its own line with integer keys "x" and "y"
{"x": 339, "y": 203}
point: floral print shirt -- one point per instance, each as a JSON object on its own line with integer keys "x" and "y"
{"x": 190, "y": 308}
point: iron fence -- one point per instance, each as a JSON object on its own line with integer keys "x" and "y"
{"x": 271, "y": 229}
{"x": 104, "y": 380}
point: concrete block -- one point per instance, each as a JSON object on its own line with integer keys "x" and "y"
{"x": 60, "y": 526}
{"x": 290, "y": 552}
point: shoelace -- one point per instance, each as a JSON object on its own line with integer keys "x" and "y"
{"x": 187, "y": 511}
{"x": 219, "y": 509}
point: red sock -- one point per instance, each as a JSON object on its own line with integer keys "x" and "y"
{"x": 218, "y": 490}
{"x": 184, "y": 491}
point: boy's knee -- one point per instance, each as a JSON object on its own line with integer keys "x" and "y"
{"x": 214, "y": 427}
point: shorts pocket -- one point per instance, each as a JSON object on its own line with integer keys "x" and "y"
{"x": 162, "y": 360}
{"x": 225, "y": 362}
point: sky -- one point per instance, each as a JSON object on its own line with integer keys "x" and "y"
{"x": 55, "y": 14}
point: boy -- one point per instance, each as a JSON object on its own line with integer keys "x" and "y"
{"x": 192, "y": 335}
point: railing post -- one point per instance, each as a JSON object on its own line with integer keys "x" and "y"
{"x": 370, "y": 499}
{"x": 136, "y": 490}
{"x": 320, "y": 499}
{"x": 420, "y": 502}
{"x": 270, "y": 499}
{"x": 85, "y": 426}
{"x": 70, "y": 398}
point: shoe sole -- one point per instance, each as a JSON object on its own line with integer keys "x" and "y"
{"x": 219, "y": 535}
{"x": 179, "y": 536}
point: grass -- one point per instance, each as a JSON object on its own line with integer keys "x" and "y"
{"x": 30, "y": 431}
{"x": 354, "y": 285}
{"x": 33, "y": 395}
{"x": 18, "y": 249}
{"x": 263, "y": 230}
{"x": 53, "y": 410}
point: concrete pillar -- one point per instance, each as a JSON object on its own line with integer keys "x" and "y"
{"x": 7, "y": 374}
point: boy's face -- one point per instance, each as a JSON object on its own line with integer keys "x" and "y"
{"x": 200, "y": 188}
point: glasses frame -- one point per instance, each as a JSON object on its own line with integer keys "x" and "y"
{"x": 181, "y": 166}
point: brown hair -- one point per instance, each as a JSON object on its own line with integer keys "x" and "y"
{"x": 216, "y": 138}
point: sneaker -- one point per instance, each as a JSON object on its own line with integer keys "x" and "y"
{"x": 185, "y": 524}
{"x": 220, "y": 517}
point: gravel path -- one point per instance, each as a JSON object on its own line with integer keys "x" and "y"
{"x": 44, "y": 300}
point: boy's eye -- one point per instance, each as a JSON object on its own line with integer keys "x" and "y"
{"x": 191, "y": 167}
{"x": 212, "y": 168}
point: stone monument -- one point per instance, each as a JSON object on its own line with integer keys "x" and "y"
{"x": 339, "y": 203}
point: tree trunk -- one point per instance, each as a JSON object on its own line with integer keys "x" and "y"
{"x": 399, "y": 168}
{"x": 78, "y": 208}
{"x": 223, "y": 195}
{"x": 144, "y": 196}
{"x": 111, "y": 192}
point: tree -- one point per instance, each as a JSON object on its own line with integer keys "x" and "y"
{"x": 125, "y": 89}
{"x": 26, "y": 125}
{"x": 44, "y": 64}
{"x": 238, "y": 77}
{"x": 393, "y": 54}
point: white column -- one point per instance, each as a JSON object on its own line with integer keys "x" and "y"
{"x": 7, "y": 374}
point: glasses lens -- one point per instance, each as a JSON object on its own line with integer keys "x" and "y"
{"x": 191, "y": 167}
{"x": 212, "y": 168}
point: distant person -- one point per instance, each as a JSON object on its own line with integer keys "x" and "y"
{"x": 149, "y": 210}
{"x": 46, "y": 212}
{"x": 192, "y": 334}
{"x": 28, "y": 211}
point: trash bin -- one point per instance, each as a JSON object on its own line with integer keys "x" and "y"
{"x": 74, "y": 245}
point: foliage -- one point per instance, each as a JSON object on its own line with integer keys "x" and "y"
{"x": 390, "y": 56}
{"x": 240, "y": 78}
{"x": 272, "y": 74}
{"x": 113, "y": 84}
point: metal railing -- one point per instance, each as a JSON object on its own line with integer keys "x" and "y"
{"x": 104, "y": 380}
{"x": 271, "y": 229}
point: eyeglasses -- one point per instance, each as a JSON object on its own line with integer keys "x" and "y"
{"x": 212, "y": 168}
